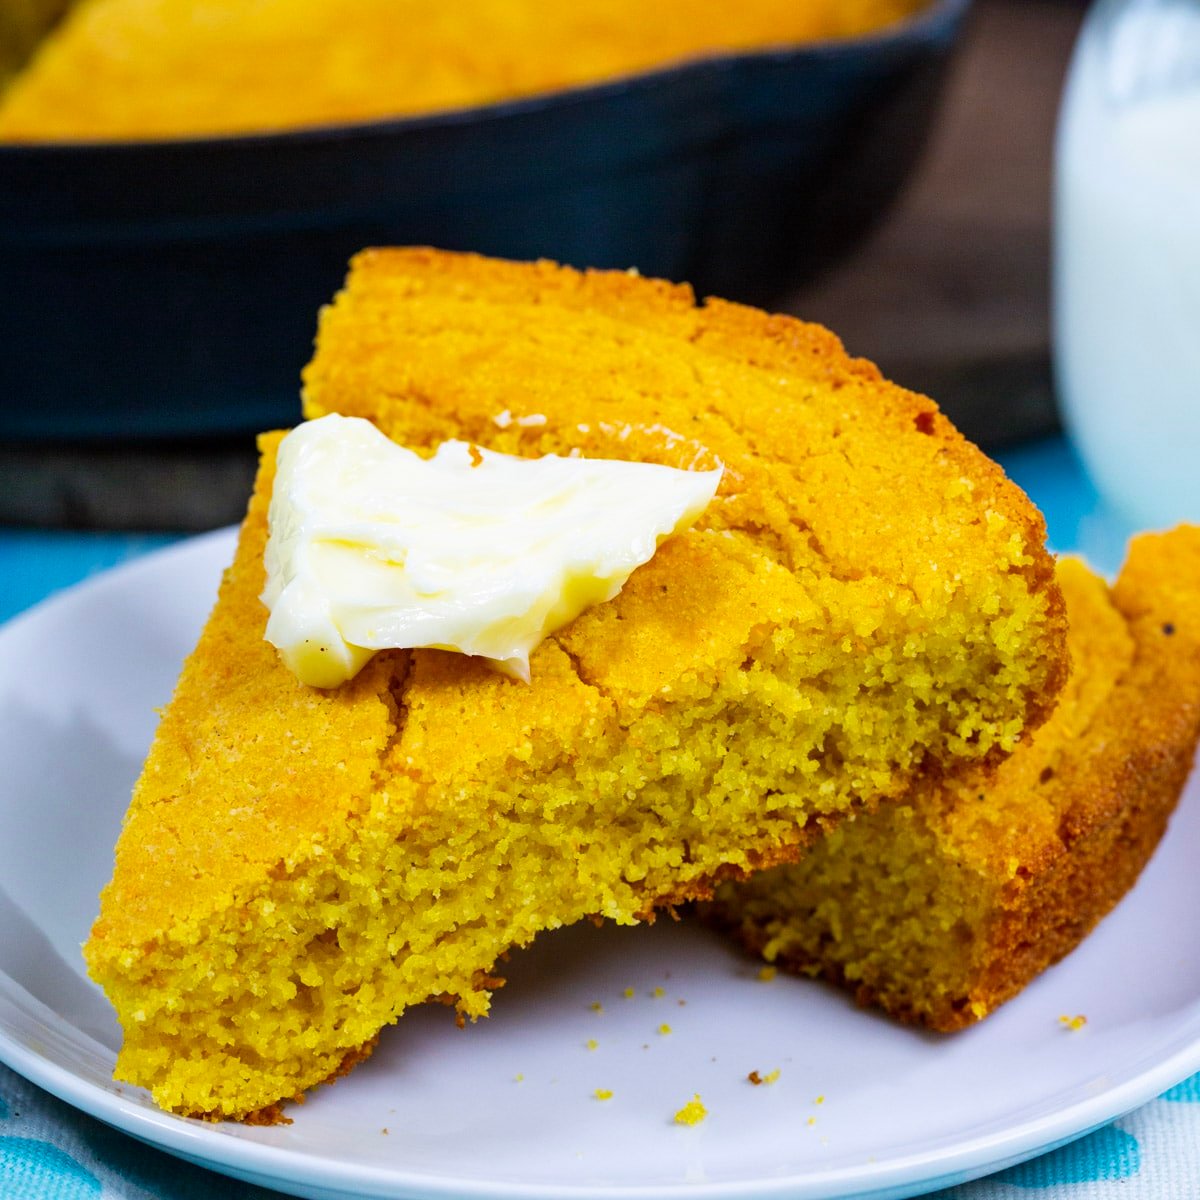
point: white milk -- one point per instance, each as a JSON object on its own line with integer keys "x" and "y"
{"x": 1127, "y": 257}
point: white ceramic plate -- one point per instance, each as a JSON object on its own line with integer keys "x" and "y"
{"x": 506, "y": 1108}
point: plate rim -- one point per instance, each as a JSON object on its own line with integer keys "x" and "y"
{"x": 911, "y": 1174}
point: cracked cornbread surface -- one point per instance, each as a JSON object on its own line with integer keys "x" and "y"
{"x": 867, "y": 599}
{"x": 942, "y": 908}
{"x": 170, "y": 68}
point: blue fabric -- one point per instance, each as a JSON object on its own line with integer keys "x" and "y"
{"x": 36, "y": 563}
{"x": 48, "y": 1151}
{"x": 1105, "y": 1155}
{"x": 31, "y": 1169}
{"x": 1188, "y": 1092}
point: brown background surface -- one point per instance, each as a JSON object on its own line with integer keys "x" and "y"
{"x": 951, "y": 295}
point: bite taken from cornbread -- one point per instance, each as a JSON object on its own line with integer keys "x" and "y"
{"x": 941, "y": 908}
{"x": 866, "y": 601}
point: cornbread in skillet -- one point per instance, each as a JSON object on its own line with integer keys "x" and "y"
{"x": 128, "y": 69}
{"x": 943, "y": 907}
{"x": 867, "y": 599}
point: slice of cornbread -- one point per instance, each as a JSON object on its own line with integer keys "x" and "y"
{"x": 943, "y": 907}
{"x": 866, "y": 600}
{"x": 169, "y": 68}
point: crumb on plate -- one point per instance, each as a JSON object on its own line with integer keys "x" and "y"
{"x": 755, "y": 1078}
{"x": 692, "y": 1113}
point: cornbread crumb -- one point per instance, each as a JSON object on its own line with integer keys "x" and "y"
{"x": 658, "y": 993}
{"x": 811, "y": 1121}
{"x": 766, "y": 974}
{"x": 603, "y": 1094}
{"x": 664, "y": 1028}
{"x": 592, "y": 1043}
{"x": 819, "y": 1100}
{"x": 519, "y": 1077}
{"x": 629, "y": 993}
{"x": 1073, "y": 1023}
{"x": 597, "y": 1007}
{"x": 692, "y": 1113}
{"x": 758, "y": 1080}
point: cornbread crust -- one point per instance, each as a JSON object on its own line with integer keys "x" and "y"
{"x": 178, "y": 68}
{"x": 866, "y": 600}
{"x": 940, "y": 909}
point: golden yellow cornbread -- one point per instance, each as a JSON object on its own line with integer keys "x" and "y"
{"x": 943, "y": 907}
{"x": 866, "y": 600}
{"x": 169, "y": 68}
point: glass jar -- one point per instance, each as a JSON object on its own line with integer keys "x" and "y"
{"x": 1127, "y": 256}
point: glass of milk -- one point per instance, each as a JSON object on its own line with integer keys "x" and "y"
{"x": 1127, "y": 256}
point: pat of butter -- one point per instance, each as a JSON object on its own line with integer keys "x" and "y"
{"x": 372, "y": 546}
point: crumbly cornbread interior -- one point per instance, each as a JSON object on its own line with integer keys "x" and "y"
{"x": 164, "y": 68}
{"x": 866, "y": 600}
{"x": 941, "y": 908}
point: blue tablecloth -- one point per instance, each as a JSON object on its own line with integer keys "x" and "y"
{"x": 49, "y": 1151}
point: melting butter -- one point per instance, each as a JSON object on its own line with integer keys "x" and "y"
{"x": 372, "y": 546}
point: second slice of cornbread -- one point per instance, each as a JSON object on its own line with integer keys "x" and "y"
{"x": 941, "y": 908}
{"x": 867, "y": 600}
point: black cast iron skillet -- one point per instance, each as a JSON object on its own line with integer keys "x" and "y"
{"x": 168, "y": 289}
